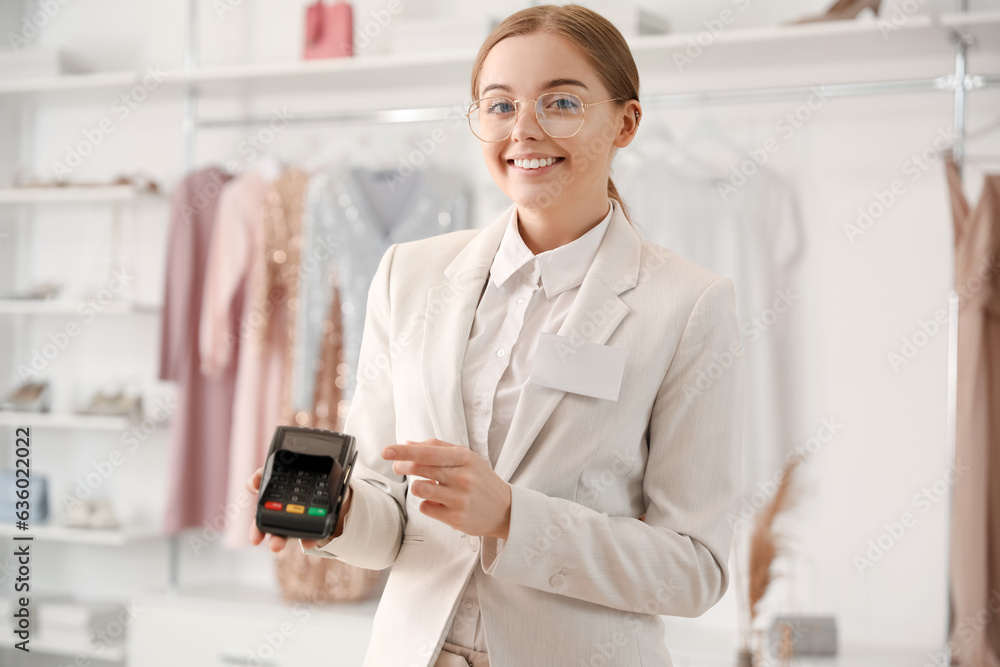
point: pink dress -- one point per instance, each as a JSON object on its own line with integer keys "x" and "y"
{"x": 200, "y": 427}
{"x": 235, "y": 281}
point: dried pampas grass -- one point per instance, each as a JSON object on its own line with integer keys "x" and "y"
{"x": 765, "y": 545}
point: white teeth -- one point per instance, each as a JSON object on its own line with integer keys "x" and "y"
{"x": 534, "y": 163}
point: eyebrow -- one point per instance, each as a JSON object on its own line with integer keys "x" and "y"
{"x": 551, "y": 84}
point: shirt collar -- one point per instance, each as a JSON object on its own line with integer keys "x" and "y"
{"x": 560, "y": 269}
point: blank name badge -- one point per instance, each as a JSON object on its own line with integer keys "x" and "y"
{"x": 578, "y": 366}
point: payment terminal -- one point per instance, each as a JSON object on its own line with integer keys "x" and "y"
{"x": 305, "y": 481}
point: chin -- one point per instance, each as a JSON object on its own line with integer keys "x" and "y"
{"x": 534, "y": 199}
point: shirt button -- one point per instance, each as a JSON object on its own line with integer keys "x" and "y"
{"x": 468, "y": 604}
{"x": 473, "y": 542}
{"x": 481, "y": 405}
{"x": 500, "y": 353}
{"x": 557, "y": 580}
{"x": 521, "y": 300}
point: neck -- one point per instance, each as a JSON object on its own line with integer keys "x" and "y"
{"x": 543, "y": 229}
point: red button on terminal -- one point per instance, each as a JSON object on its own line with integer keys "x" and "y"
{"x": 272, "y": 505}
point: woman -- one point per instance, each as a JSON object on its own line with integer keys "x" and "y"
{"x": 548, "y": 410}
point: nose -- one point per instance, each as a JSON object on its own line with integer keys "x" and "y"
{"x": 526, "y": 125}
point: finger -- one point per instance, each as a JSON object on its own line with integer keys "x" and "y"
{"x": 437, "y": 473}
{"x": 277, "y": 543}
{"x": 437, "y": 455}
{"x": 438, "y": 494}
{"x": 253, "y": 484}
{"x": 256, "y": 536}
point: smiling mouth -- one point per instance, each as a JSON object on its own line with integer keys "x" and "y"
{"x": 535, "y": 164}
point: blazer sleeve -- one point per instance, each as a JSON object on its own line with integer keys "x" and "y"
{"x": 675, "y": 562}
{"x": 373, "y": 529}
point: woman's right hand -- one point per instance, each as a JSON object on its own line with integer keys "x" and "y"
{"x": 277, "y": 542}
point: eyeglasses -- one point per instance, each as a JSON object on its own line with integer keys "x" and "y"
{"x": 560, "y": 115}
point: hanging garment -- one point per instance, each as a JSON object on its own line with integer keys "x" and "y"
{"x": 975, "y": 512}
{"x": 751, "y": 237}
{"x": 236, "y": 272}
{"x": 354, "y": 216}
{"x": 200, "y": 429}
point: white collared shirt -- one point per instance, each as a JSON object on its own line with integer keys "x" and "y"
{"x": 525, "y": 295}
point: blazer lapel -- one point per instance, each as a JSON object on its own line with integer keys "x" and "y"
{"x": 450, "y": 311}
{"x": 596, "y": 312}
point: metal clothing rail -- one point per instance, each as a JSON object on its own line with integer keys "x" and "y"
{"x": 663, "y": 100}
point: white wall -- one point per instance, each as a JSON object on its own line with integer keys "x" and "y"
{"x": 859, "y": 300}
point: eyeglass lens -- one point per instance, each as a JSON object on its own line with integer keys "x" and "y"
{"x": 558, "y": 114}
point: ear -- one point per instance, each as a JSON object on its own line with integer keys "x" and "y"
{"x": 631, "y": 114}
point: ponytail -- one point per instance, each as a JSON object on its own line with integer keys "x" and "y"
{"x": 613, "y": 193}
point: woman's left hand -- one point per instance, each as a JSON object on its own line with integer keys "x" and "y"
{"x": 465, "y": 492}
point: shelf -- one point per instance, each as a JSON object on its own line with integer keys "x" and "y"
{"x": 53, "y": 646}
{"x": 75, "y": 194}
{"x": 797, "y": 48}
{"x": 64, "y": 421}
{"x": 95, "y": 536}
{"x": 65, "y": 307}
{"x": 71, "y": 83}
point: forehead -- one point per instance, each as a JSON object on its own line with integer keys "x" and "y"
{"x": 528, "y": 64}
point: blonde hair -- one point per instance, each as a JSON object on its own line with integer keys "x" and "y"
{"x": 598, "y": 39}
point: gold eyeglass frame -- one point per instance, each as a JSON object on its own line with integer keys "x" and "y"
{"x": 517, "y": 110}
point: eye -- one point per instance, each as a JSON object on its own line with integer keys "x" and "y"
{"x": 563, "y": 103}
{"x": 499, "y": 106}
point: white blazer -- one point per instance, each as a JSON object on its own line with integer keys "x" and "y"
{"x": 580, "y": 580}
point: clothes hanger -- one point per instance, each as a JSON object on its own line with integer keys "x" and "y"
{"x": 269, "y": 167}
{"x": 949, "y": 152}
{"x": 709, "y": 137}
{"x": 677, "y": 158}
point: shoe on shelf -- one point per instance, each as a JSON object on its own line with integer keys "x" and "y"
{"x": 117, "y": 398}
{"x": 29, "y": 397}
{"x": 77, "y": 515}
{"x": 844, "y": 10}
{"x": 102, "y": 515}
{"x": 39, "y": 292}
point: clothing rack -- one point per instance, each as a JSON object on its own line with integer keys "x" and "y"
{"x": 959, "y": 83}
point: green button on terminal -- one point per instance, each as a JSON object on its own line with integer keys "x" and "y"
{"x": 317, "y": 511}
